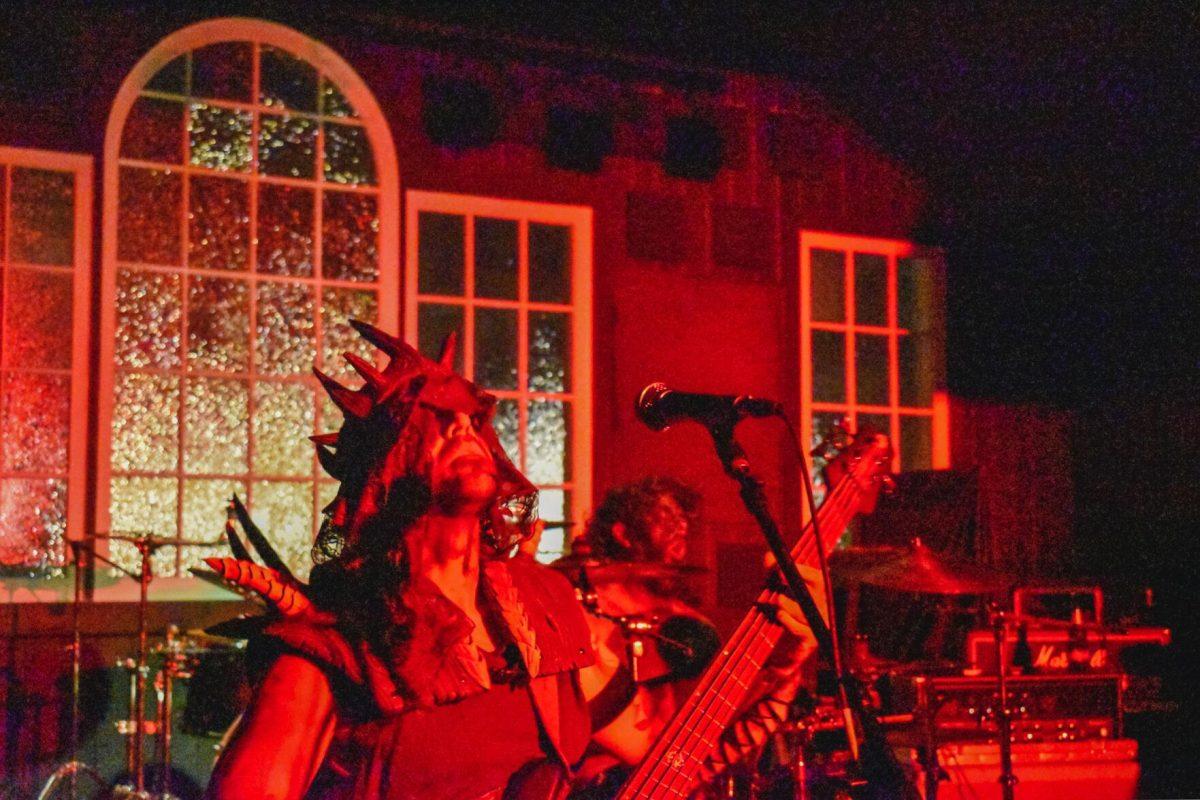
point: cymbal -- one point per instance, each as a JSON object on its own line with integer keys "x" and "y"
{"x": 606, "y": 570}
{"x": 918, "y": 569}
{"x": 851, "y": 564}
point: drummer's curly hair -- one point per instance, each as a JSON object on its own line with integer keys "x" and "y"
{"x": 631, "y": 505}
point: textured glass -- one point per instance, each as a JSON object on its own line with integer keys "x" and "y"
{"x": 828, "y": 367}
{"x": 331, "y": 416}
{"x": 496, "y": 258}
{"x": 284, "y": 512}
{"x": 33, "y": 523}
{"x": 916, "y": 370}
{"x": 546, "y": 456}
{"x": 286, "y": 328}
{"x": 333, "y": 102}
{"x": 350, "y": 236}
{"x": 148, "y": 217}
{"x": 35, "y": 420}
{"x": 218, "y": 324}
{"x": 203, "y": 512}
{"x": 149, "y": 314}
{"x": 871, "y": 366}
{"x": 506, "y": 423}
{"x": 337, "y": 307}
{"x": 218, "y": 223}
{"x": 215, "y": 426}
{"x": 154, "y": 131}
{"x": 283, "y": 420}
{"x": 139, "y": 506}
{"x": 145, "y": 423}
{"x": 42, "y": 217}
{"x": 552, "y": 507}
{"x": 549, "y": 263}
{"x": 828, "y": 285}
{"x": 870, "y": 289}
{"x": 916, "y": 292}
{"x": 348, "y": 156}
{"x": 496, "y": 348}
{"x": 435, "y": 322}
{"x": 287, "y": 146}
{"x": 173, "y": 77}
{"x": 219, "y": 138}
{"x": 222, "y": 70}
{"x": 916, "y": 443}
{"x": 440, "y": 251}
{"x": 38, "y": 318}
{"x": 285, "y": 230}
{"x": 285, "y": 80}
{"x": 549, "y": 352}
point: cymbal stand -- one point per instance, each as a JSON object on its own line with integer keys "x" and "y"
{"x": 71, "y": 769}
{"x": 999, "y": 631}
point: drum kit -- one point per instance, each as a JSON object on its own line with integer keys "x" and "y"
{"x": 176, "y": 658}
{"x": 809, "y": 756}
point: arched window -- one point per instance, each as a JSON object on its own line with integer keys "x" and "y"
{"x": 250, "y": 193}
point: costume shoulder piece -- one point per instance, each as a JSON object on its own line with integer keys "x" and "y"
{"x": 554, "y": 614}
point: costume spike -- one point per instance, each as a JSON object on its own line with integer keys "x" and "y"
{"x": 329, "y": 462}
{"x": 236, "y": 545}
{"x": 366, "y": 369}
{"x": 349, "y": 401}
{"x": 389, "y": 344}
{"x": 282, "y": 593}
{"x": 449, "y": 345}
{"x": 258, "y": 541}
{"x": 329, "y": 439}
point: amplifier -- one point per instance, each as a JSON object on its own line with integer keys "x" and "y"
{"x": 1042, "y": 708}
{"x": 1049, "y": 647}
{"x": 1096, "y": 770}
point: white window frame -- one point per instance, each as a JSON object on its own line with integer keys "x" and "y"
{"x": 893, "y": 250}
{"x": 79, "y": 165}
{"x": 382, "y": 144}
{"x": 579, "y": 220}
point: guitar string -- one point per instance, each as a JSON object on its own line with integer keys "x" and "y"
{"x": 685, "y": 724}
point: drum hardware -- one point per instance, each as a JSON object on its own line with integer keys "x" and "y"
{"x": 915, "y": 568}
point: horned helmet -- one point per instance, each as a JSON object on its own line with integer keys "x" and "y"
{"x": 375, "y": 452}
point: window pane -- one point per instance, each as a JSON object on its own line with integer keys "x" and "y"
{"x": 916, "y": 370}
{"x": 35, "y": 420}
{"x": 880, "y": 423}
{"x": 140, "y": 505}
{"x": 435, "y": 322}
{"x": 219, "y": 138}
{"x": 149, "y": 314}
{"x": 218, "y": 223}
{"x": 38, "y": 318}
{"x": 42, "y": 217}
{"x": 286, "y": 328}
{"x": 496, "y": 348}
{"x": 506, "y": 424}
{"x": 549, "y": 352}
{"x": 284, "y": 511}
{"x": 333, "y": 102}
{"x": 496, "y": 258}
{"x": 215, "y": 432}
{"x": 348, "y": 155}
{"x": 554, "y": 505}
{"x": 350, "y": 236}
{"x": 549, "y": 428}
{"x": 287, "y": 146}
{"x": 222, "y": 70}
{"x": 828, "y": 285}
{"x": 283, "y": 415}
{"x": 916, "y": 438}
{"x": 549, "y": 263}
{"x": 33, "y": 522}
{"x": 154, "y": 131}
{"x": 870, "y": 289}
{"x": 218, "y": 325}
{"x": 286, "y": 80}
{"x": 285, "y": 230}
{"x": 440, "y": 256}
{"x": 916, "y": 293}
{"x": 145, "y": 427}
{"x": 829, "y": 367}
{"x": 871, "y": 365}
{"x": 203, "y": 510}
{"x": 148, "y": 216}
{"x": 338, "y": 306}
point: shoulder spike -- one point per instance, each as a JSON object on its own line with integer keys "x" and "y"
{"x": 449, "y": 345}
{"x": 330, "y": 439}
{"x": 366, "y": 369}
{"x": 329, "y": 462}
{"x": 279, "y": 592}
{"x": 392, "y": 345}
{"x": 258, "y": 540}
{"x": 349, "y": 401}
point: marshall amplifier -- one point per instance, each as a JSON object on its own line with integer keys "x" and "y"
{"x": 1062, "y": 649}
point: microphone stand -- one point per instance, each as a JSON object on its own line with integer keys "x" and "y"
{"x": 877, "y": 763}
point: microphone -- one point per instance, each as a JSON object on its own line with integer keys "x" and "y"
{"x": 660, "y": 408}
